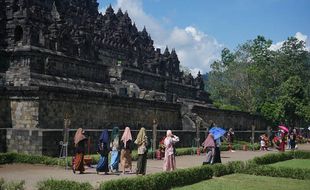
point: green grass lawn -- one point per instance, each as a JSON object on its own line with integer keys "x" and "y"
{"x": 295, "y": 163}
{"x": 248, "y": 182}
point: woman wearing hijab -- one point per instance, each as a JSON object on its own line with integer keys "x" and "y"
{"x": 141, "y": 141}
{"x": 79, "y": 143}
{"x": 115, "y": 149}
{"x": 126, "y": 147}
{"x": 169, "y": 160}
{"x": 209, "y": 147}
{"x": 103, "y": 150}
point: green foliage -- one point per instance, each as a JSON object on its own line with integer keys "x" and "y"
{"x": 11, "y": 185}
{"x": 256, "y": 79}
{"x": 272, "y": 158}
{"x": 294, "y": 163}
{"x": 52, "y": 184}
{"x": 294, "y": 173}
{"x": 166, "y": 180}
{"x": 7, "y": 158}
{"x": 248, "y": 182}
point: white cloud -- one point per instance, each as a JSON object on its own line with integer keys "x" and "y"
{"x": 196, "y": 50}
{"x": 299, "y": 36}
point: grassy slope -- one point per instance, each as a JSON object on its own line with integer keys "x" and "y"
{"x": 249, "y": 182}
{"x": 295, "y": 163}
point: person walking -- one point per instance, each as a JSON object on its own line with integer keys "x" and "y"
{"x": 230, "y": 139}
{"x": 103, "y": 150}
{"x": 209, "y": 146}
{"x": 126, "y": 148}
{"x": 142, "y": 143}
{"x": 115, "y": 154}
{"x": 217, "y": 151}
{"x": 79, "y": 144}
{"x": 169, "y": 160}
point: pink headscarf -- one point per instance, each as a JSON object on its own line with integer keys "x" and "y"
{"x": 209, "y": 142}
{"x": 79, "y": 136}
{"x": 126, "y": 136}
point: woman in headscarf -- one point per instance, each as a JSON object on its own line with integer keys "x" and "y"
{"x": 115, "y": 149}
{"x": 126, "y": 147}
{"x": 141, "y": 141}
{"x": 169, "y": 160}
{"x": 209, "y": 146}
{"x": 103, "y": 150}
{"x": 79, "y": 143}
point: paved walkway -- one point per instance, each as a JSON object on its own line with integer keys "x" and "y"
{"x": 32, "y": 174}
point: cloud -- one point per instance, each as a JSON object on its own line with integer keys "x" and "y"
{"x": 299, "y": 36}
{"x": 196, "y": 50}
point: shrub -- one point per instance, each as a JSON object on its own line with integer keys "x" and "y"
{"x": 52, "y": 184}
{"x": 295, "y": 173}
{"x": 272, "y": 158}
{"x": 11, "y": 185}
{"x": 297, "y": 154}
{"x": 235, "y": 167}
{"x": 164, "y": 180}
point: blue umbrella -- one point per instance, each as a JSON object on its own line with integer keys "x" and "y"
{"x": 217, "y": 132}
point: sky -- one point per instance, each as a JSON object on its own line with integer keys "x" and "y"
{"x": 200, "y": 29}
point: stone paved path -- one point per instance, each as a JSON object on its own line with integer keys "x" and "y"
{"x": 34, "y": 173}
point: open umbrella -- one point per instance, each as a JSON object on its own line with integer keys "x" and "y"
{"x": 283, "y": 128}
{"x": 217, "y": 132}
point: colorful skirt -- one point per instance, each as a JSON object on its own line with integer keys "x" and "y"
{"x": 126, "y": 158}
{"x": 114, "y": 159}
{"x": 79, "y": 162}
{"x": 102, "y": 165}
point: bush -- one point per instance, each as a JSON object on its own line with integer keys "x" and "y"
{"x": 52, "y": 184}
{"x": 8, "y": 158}
{"x": 11, "y": 185}
{"x": 297, "y": 154}
{"x": 295, "y": 173}
{"x": 272, "y": 158}
{"x": 166, "y": 180}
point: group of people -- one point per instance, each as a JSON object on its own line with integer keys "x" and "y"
{"x": 120, "y": 150}
{"x": 212, "y": 148}
{"x": 283, "y": 138}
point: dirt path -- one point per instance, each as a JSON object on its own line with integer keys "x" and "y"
{"x": 32, "y": 174}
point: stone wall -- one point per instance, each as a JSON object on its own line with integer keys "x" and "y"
{"x": 3, "y": 145}
{"x": 5, "y": 111}
{"x": 95, "y": 112}
{"x": 27, "y": 141}
{"x": 239, "y": 121}
{"x": 25, "y": 112}
{"x": 147, "y": 81}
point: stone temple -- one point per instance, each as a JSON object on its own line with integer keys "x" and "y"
{"x": 63, "y": 59}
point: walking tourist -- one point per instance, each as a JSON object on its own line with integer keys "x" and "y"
{"x": 142, "y": 143}
{"x": 292, "y": 138}
{"x": 103, "y": 150}
{"x": 209, "y": 146}
{"x": 79, "y": 143}
{"x": 126, "y": 148}
{"x": 115, "y": 150}
{"x": 230, "y": 139}
{"x": 169, "y": 160}
{"x": 217, "y": 151}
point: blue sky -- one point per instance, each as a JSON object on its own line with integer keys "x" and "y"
{"x": 199, "y": 29}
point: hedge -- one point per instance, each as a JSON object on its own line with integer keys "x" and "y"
{"x": 182, "y": 177}
{"x": 52, "y": 184}
{"x": 164, "y": 180}
{"x": 8, "y": 158}
{"x": 294, "y": 173}
{"x": 277, "y": 157}
{"x": 11, "y": 185}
